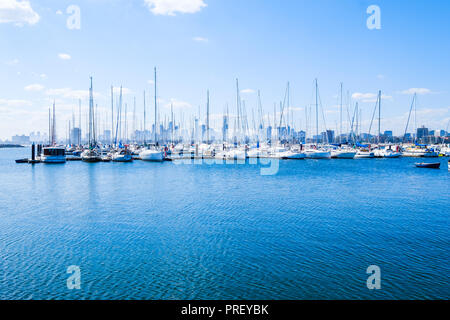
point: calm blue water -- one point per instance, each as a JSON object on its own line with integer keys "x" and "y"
{"x": 166, "y": 231}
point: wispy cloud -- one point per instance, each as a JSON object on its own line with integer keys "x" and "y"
{"x": 178, "y": 104}
{"x": 68, "y": 93}
{"x": 200, "y": 39}
{"x": 172, "y": 7}
{"x": 17, "y": 12}
{"x": 247, "y": 91}
{"x": 34, "y": 87}
{"x": 11, "y": 103}
{"x": 12, "y": 62}
{"x": 125, "y": 91}
{"x": 420, "y": 91}
{"x": 59, "y": 12}
{"x": 369, "y": 97}
{"x": 64, "y": 56}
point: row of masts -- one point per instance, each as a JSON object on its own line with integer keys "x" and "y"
{"x": 242, "y": 132}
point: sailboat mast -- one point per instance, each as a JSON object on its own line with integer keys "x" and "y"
{"x": 49, "y": 127}
{"x": 317, "y": 112}
{"x": 238, "y": 102}
{"x": 145, "y": 133}
{"x": 155, "y": 107}
{"x": 379, "y": 116}
{"x": 171, "y": 113}
{"x": 112, "y": 114}
{"x": 90, "y": 113}
{"x": 340, "y": 119}
{"x": 79, "y": 122}
{"x": 207, "y": 117}
{"x": 53, "y": 125}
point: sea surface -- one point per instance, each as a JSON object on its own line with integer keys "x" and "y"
{"x": 224, "y": 231}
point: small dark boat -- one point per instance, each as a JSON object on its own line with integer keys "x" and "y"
{"x": 435, "y": 165}
{"x": 22, "y": 161}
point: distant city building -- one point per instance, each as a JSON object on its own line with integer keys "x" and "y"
{"x": 75, "y": 135}
{"x": 422, "y": 133}
{"x": 23, "y": 139}
{"x": 330, "y": 136}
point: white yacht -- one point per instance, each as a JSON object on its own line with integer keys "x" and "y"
{"x": 386, "y": 153}
{"x": 122, "y": 156}
{"x": 419, "y": 152}
{"x": 91, "y": 155}
{"x": 317, "y": 154}
{"x": 288, "y": 154}
{"x": 53, "y": 155}
{"x": 236, "y": 154}
{"x": 364, "y": 154}
{"x": 346, "y": 153}
{"x": 151, "y": 155}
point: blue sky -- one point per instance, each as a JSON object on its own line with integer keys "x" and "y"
{"x": 206, "y": 44}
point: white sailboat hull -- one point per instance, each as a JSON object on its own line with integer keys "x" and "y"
{"x": 315, "y": 154}
{"x": 289, "y": 155}
{"x": 364, "y": 155}
{"x": 343, "y": 154}
{"x": 122, "y": 158}
{"x": 152, "y": 155}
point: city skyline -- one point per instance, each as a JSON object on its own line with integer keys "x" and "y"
{"x": 50, "y": 56}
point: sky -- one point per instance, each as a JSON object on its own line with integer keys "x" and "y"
{"x": 51, "y": 48}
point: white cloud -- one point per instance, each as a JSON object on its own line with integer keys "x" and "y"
{"x": 64, "y": 56}
{"x": 247, "y": 91}
{"x": 380, "y": 76}
{"x": 124, "y": 90}
{"x": 178, "y": 104}
{"x": 17, "y": 12}
{"x": 14, "y": 103}
{"x": 43, "y": 76}
{"x": 34, "y": 87}
{"x": 171, "y": 7}
{"x": 59, "y": 12}
{"x": 151, "y": 81}
{"x": 417, "y": 90}
{"x": 369, "y": 97}
{"x": 12, "y": 62}
{"x": 68, "y": 93}
{"x": 200, "y": 39}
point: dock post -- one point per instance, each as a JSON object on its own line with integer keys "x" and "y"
{"x": 33, "y": 152}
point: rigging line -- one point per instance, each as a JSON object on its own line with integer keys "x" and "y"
{"x": 374, "y": 110}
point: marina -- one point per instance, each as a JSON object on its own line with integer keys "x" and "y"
{"x": 144, "y": 230}
{"x": 224, "y": 159}
{"x": 244, "y": 143}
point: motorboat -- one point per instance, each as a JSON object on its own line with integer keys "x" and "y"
{"x": 53, "y": 155}
{"x": 435, "y": 165}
